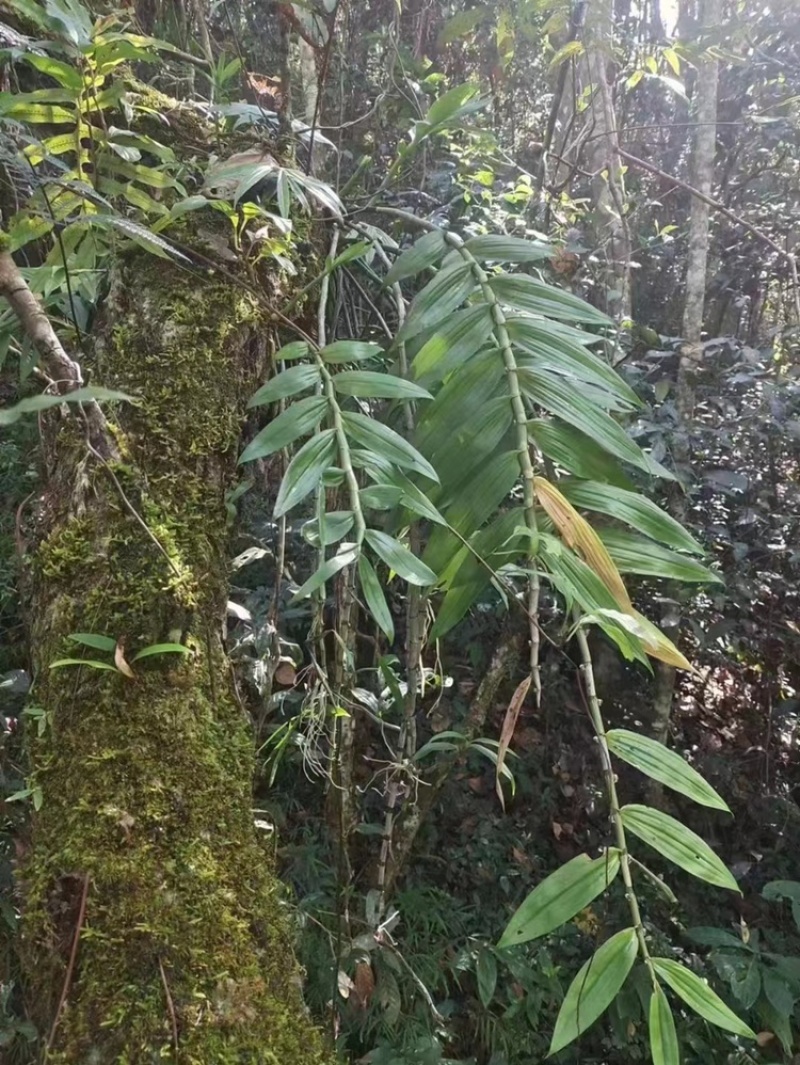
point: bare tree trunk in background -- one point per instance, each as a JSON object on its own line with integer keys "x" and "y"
{"x": 611, "y": 235}
{"x": 691, "y": 353}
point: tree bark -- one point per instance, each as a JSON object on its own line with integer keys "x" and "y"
{"x": 602, "y": 153}
{"x": 691, "y": 353}
{"x": 152, "y": 926}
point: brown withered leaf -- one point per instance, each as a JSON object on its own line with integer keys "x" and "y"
{"x": 119, "y": 659}
{"x": 507, "y": 733}
{"x": 364, "y": 984}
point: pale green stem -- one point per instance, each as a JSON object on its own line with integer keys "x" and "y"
{"x": 344, "y": 452}
{"x": 595, "y": 713}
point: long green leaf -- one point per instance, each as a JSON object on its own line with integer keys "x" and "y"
{"x": 456, "y": 339}
{"x": 398, "y": 558}
{"x": 34, "y": 404}
{"x": 93, "y": 639}
{"x": 440, "y": 297}
{"x": 565, "y": 356}
{"x": 92, "y": 663}
{"x": 385, "y": 442}
{"x": 304, "y": 472}
{"x": 346, "y": 557}
{"x": 161, "y": 649}
{"x": 298, "y": 420}
{"x": 576, "y": 452}
{"x": 560, "y": 896}
{"x": 370, "y": 384}
{"x": 423, "y": 254}
{"x": 659, "y": 763}
{"x": 636, "y": 554}
{"x": 699, "y": 997}
{"x": 289, "y": 383}
{"x": 677, "y": 843}
{"x": 633, "y": 509}
{"x": 336, "y": 524}
{"x": 562, "y": 399}
{"x": 595, "y": 988}
{"x": 350, "y": 351}
{"x": 663, "y": 1037}
{"x": 374, "y": 597}
{"x": 527, "y": 294}
{"x": 498, "y": 248}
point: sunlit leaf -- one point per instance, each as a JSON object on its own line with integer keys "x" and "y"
{"x": 634, "y": 509}
{"x": 595, "y": 988}
{"x": 659, "y": 763}
{"x": 677, "y": 843}
{"x": 663, "y": 1037}
{"x": 561, "y": 896}
{"x": 699, "y": 997}
{"x": 527, "y": 294}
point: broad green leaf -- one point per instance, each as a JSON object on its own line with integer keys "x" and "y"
{"x": 659, "y": 763}
{"x": 92, "y": 663}
{"x": 380, "y": 496}
{"x": 93, "y": 639}
{"x": 161, "y": 649}
{"x": 555, "y": 352}
{"x": 370, "y": 384}
{"x": 497, "y": 248}
{"x": 35, "y": 113}
{"x": 298, "y": 349}
{"x": 440, "y": 297}
{"x": 374, "y": 597}
{"x": 304, "y": 472}
{"x": 350, "y": 351}
{"x": 450, "y": 104}
{"x": 34, "y": 404}
{"x": 336, "y": 524}
{"x": 68, "y": 76}
{"x": 699, "y": 997}
{"x": 561, "y": 398}
{"x": 289, "y": 383}
{"x": 663, "y": 1037}
{"x": 784, "y": 889}
{"x": 346, "y": 557}
{"x": 385, "y": 442}
{"x": 527, "y": 294}
{"x": 632, "y": 508}
{"x": 486, "y": 973}
{"x": 423, "y": 254}
{"x": 595, "y": 988}
{"x": 560, "y": 896}
{"x": 301, "y": 418}
{"x": 473, "y": 501}
{"x": 677, "y": 843}
{"x": 455, "y": 341}
{"x": 398, "y": 558}
{"x": 636, "y": 554}
{"x": 576, "y": 452}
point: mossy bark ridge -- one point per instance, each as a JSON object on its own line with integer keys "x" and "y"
{"x": 184, "y": 954}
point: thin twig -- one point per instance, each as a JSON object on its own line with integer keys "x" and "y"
{"x": 73, "y": 954}
{"x": 170, "y": 1007}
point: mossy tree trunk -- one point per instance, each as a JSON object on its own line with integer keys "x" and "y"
{"x": 144, "y": 861}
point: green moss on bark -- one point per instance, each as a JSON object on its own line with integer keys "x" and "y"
{"x": 147, "y": 781}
